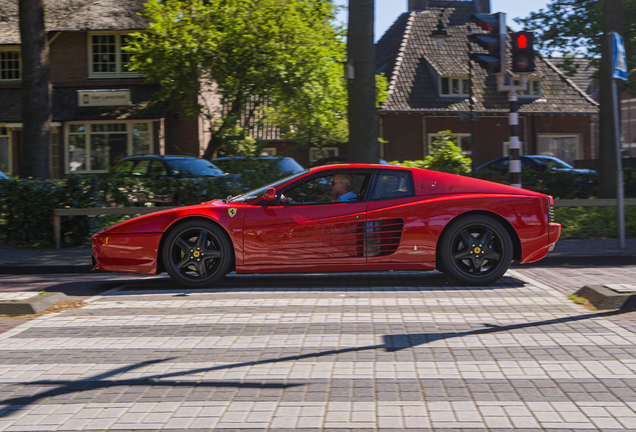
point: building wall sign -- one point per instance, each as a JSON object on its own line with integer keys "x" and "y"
{"x": 103, "y": 97}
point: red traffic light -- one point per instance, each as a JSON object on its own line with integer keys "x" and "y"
{"x": 522, "y": 41}
{"x": 523, "y": 52}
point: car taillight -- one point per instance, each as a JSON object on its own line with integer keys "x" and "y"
{"x": 551, "y": 208}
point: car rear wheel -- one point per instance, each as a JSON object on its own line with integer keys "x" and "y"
{"x": 197, "y": 253}
{"x": 475, "y": 250}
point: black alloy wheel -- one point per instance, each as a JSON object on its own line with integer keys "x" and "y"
{"x": 475, "y": 250}
{"x": 197, "y": 253}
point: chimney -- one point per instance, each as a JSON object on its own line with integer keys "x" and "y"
{"x": 418, "y": 5}
{"x": 483, "y": 6}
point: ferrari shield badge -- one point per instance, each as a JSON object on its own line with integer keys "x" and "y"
{"x": 231, "y": 212}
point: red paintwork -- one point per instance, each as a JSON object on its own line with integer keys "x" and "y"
{"x": 340, "y": 236}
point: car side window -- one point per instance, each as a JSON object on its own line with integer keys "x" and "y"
{"x": 525, "y": 163}
{"x": 393, "y": 184}
{"x": 314, "y": 191}
{"x": 124, "y": 168}
{"x": 503, "y": 164}
{"x": 157, "y": 169}
{"x": 318, "y": 190}
{"x": 140, "y": 169}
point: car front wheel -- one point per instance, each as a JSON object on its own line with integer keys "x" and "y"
{"x": 475, "y": 250}
{"x": 197, "y": 253}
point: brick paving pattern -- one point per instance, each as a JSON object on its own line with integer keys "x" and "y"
{"x": 378, "y": 352}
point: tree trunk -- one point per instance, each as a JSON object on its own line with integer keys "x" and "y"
{"x": 363, "y": 123}
{"x": 612, "y": 20}
{"x": 36, "y": 91}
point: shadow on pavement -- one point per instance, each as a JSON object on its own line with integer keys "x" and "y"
{"x": 391, "y": 343}
{"x": 380, "y": 281}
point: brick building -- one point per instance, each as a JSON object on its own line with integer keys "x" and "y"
{"x": 429, "y": 87}
{"x": 101, "y": 110}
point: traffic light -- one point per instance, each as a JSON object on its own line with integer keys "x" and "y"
{"x": 494, "y": 41}
{"x": 522, "y": 52}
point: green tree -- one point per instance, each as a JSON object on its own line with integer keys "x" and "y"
{"x": 575, "y": 27}
{"x": 580, "y": 27}
{"x": 250, "y": 57}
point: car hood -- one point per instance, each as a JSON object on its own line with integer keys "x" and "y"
{"x": 160, "y": 221}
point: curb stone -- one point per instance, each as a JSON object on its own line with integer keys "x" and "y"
{"x": 32, "y": 305}
{"x": 605, "y": 298}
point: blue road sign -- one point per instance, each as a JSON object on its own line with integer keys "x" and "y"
{"x": 619, "y": 60}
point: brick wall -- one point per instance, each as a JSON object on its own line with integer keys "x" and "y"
{"x": 69, "y": 57}
{"x": 406, "y": 138}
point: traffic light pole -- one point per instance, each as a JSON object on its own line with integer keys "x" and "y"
{"x": 514, "y": 145}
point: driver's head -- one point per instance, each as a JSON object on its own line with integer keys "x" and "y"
{"x": 341, "y": 184}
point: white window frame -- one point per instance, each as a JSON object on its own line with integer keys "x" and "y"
{"x": 118, "y": 56}
{"x": 463, "y": 92}
{"x": 88, "y": 132}
{"x": 8, "y": 137}
{"x": 19, "y": 51}
{"x": 526, "y": 95}
{"x": 336, "y": 152}
{"x": 268, "y": 151}
{"x": 459, "y": 135}
{"x": 579, "y": 143}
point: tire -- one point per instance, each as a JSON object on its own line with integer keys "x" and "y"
{"x": 197, "y": 254}
{"x": 475, "y": 250}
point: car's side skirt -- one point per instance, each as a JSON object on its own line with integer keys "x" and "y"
{"x": 323, "y": 268}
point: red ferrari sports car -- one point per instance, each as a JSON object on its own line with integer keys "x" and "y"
{"x": 340, "y": 218}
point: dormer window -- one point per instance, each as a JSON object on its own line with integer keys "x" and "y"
{"x": 454, "y": 86}
{"x": 534, "y": 88}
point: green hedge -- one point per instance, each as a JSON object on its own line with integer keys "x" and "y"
{"x": 26, "y": 205}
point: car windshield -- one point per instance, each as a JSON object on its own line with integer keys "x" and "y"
{"x": 550, "y": 163}
{"x": 287, "y": 165}
{"x": 190, "y": 167}
{"x": 252, "y": 195}
{"x": 290, "y": 165}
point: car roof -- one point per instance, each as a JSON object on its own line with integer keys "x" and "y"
{"x": 251, "y": 157}
{"x": 341, "y": 167}
{"x": 159, "y": 156}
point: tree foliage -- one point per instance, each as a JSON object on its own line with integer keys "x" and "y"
{"x": 575, "y": 27}
{"x": 251, "y": 58}
{"x": 446, "y": 157}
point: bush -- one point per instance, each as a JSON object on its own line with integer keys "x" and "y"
{"x": 559, "y": 184}
{"x": 446, "y": 157}
{"x": 26, "y": 205}
{"x": 593, "y": 222}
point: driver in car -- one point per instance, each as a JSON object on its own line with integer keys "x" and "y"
{"x": 342, "y": 188}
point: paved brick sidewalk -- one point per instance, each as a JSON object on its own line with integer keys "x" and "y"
{"x": 384, "y": 351}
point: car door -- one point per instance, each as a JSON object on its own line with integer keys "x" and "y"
{"x": 311, "y": 230}
{"x": 394, "y": 229}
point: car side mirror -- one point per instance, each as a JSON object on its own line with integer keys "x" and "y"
{"x": 270, "y": 194}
